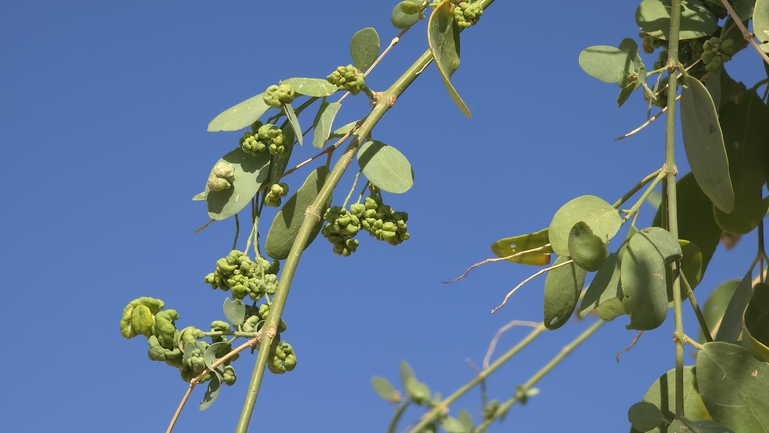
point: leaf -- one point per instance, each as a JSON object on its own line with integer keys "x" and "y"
{"x": 761, "y": 20}
{"x": 703, "y": 426}
{"x": 731, "y": 324}
{"x": 453, "y": 425}
{"x": 384, "y": 388}
{"x": 200, "y": 196}
{"x": 734, "y": 387}
{"x": 385, "y": 167}
{"x": 211, "y": 355}
{"x": 744, "y": 9}
{"x": 234, "y": 311}
{"x": 756, "y": 322}
{"x": 594, "y": 211}
{"x": 406, "y": 372}
{"x": 212, "y": 392}
{"x": 466, "y": 419}
{"x": 704, "y": 144}
{"x": 250, "y": 173}
{"x": 605, "y": 288}
{"x": 662, "y": 395}
{"x": 417, "y": 391}
{"x": 644, "y": 289}
{"x": 562, "y": 288}
{"x": 287, "y": 222}
{"x": 664, "y": 243}
{"x": 645, "y": 416}
{"x": 746, "y": 135}
{"x": 401, "y": 18}
{"x": 240, "y": 115}
{"x": 289, "y": 110}
{"x": 343, "y": 130}
{"x": 323, "y": 122}
{"x": 364, "y": 48}
{"x": 691, "y": 263}
{"x": 653, "y": 17}
{"x": 715, "y": 306}
{"x": 613, "y": 65}
{"x": 443, "y": 38}
{"x": 696, "y": 222}
{"x": 313, "y": 87}
{"x": 508, "y": 246}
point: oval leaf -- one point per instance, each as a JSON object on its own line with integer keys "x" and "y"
{"x": 756, "y": 322}
{"x": 401, "y": 17}
{"x": 509, "y": 246}
{"x": 594, "y": 211}
{"x": 662, "y": 395}
{"x": 734, "y": 386}
{"x": 212, "y": 392}
{"x": 586, "y": 249}
{"x": 761, "y": 20}
{"x": 234, "y": 311}
{"x": 323, "y": 122}
{"x": 405, "y": 371}
{"x": 443, "y": 38}
{"x": 383, "y": 388}
{"x": 704, "y": 144}
{"x": 604, "y": 290}
{"x": 240, "y": 116}
{"x": 286, "y": 224}
{"x": 610, "y": 64}
{"x": 250, "y": 174}
{"x": 731, "y": 324}
{"x": 653, "y": 17}
{"x": 562, "y": 288}
{"x": 314, "y": 87}
{"x": 385, "y": 167}
{"x": 645, "y": 416}
{"x": 364, "y": 48}
{"x": 642, "y": 273}
{"x": 715, "y": 306}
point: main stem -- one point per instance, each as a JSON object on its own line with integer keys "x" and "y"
{"x": 670, "y": 168}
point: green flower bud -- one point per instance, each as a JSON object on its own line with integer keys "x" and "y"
{"x": 276, "y": 96}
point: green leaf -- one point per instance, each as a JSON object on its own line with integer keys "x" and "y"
{"x": 594, "y": 211}
{"x": 756, "y": 322}
{"x": 211, "y": 355}
{"x": 653, "y": 17}
{"x": 250, "y": 173}
{"x": 289, "y": 110}
{"x": 744, "y": 9}
{"x": 401, "y": 17}
{"x": 313, "y": 87}
{"x": 691, "y": 262}
{"x": 662, "y": 395}
{"x": 613, "y": 65}
{"x": 761, "y": 20}
{"x": 586, "y": 249}
{"x": 417, "y": 391}
{"x": 466, "y": 419}
{"x": 508, "y": 246}
{"x": 562, "y": 288}
{"x": 384, "y": 388}
{"x": 240, "y": 115}
{"x": 734, "y": 387}
{"x": 234, "y": 311}
{"x": 289, "y": 219}
{"x": 200, "y": 196}
{"x": 443, "y": 38}
{"x": 703, "y": 426}
{"x": 323, "y": 122}
{"x": 746, "y": 135}
{"x": 731, "y": 324}
{"x": 665, "y": 244}
{"x": 364, "y": 48}
{"x": 453, "y": 425}
{"x": 385, "y": 167}
{"x": 406, "y": 372}
{"x": 343, "y": 130}
{"x": 696, "y": 222}
{"x": 643, "y": 282}
{"x": 645, "y": 416}
{"x": 715, "y": 306}
{"x": 605, "y": 291}
{"x": 704, "y": 144}
{"x": 212, "y": 392}
{"x": 625, "y": 93}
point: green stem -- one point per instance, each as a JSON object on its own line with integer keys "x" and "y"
{"x": 237, "y": 232}
{"x": 444, "y": 404}
{"x": 696, "y": 308}
{"x": 635, "y": 189}
{"x": 670, "y": 168}
{"x": 504, "y": 407}
{"x": 634, "y": 210}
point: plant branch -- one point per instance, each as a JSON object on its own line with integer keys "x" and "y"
{"x": 504, "y": 407}
{"x": 636, "y": 188}
{"x": 522, "y": 283}
{"x": 745, "y": 33}
{"x": 696, "y": 307}
{"x": 497, "y": 259}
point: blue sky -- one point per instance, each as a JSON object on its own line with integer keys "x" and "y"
{"x": 104, "y": 109}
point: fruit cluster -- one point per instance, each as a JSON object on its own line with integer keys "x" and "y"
{"x": 264, "y": 137}
{"x": 467, "y": 13}
{"x": 381, "y": 221}
{"x": 341, "y": 229}
{"x": 221, "y": 177}
{"x": 282, "y": 357}
{"x": 277, "y": 96}
{"x": 348, "y": 78}
{"x": 715, "y": 52}
{"x": 243, "y": 277}
{"x": 276, "y": 194}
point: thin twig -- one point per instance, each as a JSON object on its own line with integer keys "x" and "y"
{"x": 645, "y": 124}
{"x": 536, "y": 274}
{"x": 494, "y": 260}
{"x": 627, "y": 349}
{"x": 499, "y": 333}
{"x": 745, "y": 33}
{"x": 393, "y": 43}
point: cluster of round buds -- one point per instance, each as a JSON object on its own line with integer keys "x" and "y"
{"x": 716, "y": 52}
{"x": 277, "y": 192}
{"x": 348, "y": 78}
{"x": 243, "y": 277}
{"x": 221, "y": 177}
{"x": 341, "y": 228}
{"x": 662, "y": 60}
{"x": 264, "y": 137}
{"x": 650, "y": 43}
{"x": 277, "y": 96}
{"x": 381, "y": 221}
{"x": 691, "y": 51}
{"x": 282, "y": 357}
{"x": 467, "y": 13}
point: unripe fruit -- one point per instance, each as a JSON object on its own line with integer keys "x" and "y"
{"x": 586, "y": 249}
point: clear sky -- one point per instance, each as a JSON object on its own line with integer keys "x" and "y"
{"x": 103, "y": 142}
